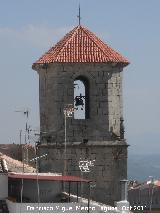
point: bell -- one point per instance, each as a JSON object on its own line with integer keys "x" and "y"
{"x": 79, "y": 100}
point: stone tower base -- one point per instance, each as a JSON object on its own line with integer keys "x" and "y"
{"x": 110, "y": 166}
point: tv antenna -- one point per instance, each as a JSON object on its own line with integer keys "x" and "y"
{"x": 24, "y": 111}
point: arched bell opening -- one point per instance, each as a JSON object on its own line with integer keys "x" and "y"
{"x": 81, "y": 98}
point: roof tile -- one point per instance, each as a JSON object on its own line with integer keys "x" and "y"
{"x": 81, "y": 45}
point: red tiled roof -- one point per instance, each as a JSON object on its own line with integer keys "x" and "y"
{"x": 47, "y": 177}
{"x": 157, "y": 183}
{"x": 81, "y": 45}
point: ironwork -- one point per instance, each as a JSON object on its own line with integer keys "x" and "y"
{"x": 79, "y": 15}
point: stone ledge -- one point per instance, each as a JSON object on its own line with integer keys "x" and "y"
{"x": 88, "y": 144}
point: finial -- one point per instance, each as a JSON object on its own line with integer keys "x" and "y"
{"x": 79, "y": 15}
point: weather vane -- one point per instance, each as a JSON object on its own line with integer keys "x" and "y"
{"x": 79, "y": 15}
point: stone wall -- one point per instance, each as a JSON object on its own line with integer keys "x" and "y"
{"x": 110, "y": 166}
{"x": 105, "y": 101}
{"x": 102, "y": 128}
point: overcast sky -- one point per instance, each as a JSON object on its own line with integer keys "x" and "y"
{"x": 29, "y": 28}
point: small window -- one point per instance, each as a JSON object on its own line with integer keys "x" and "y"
{"x": 81, "y": 98}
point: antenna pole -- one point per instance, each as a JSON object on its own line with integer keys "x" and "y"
{"x": 20, "y": 137}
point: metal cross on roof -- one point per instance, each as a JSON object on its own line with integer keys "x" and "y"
{"x": 79, "y": 15}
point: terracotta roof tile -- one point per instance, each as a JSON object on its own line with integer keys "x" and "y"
{"x": 81, "y": 45}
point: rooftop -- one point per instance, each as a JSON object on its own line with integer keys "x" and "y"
{"x": 46, "y": 176}
{"x": 81, "y": 45}
{"x": 15, "y": 165}
{"x": 146, "y": 184}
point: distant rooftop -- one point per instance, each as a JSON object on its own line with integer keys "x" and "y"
{"x": 15, "y": 165}
{"x": 146, "y": 184}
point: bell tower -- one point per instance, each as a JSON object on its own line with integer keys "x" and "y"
{"x": 84, "y": 74}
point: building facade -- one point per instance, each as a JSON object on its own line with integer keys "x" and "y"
{"x": 85, "y": 74}
{"x": 145, "y": 197}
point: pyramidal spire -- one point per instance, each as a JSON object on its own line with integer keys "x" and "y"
{"x": 81, "y": 45}
{"x": 79, "y": 15}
